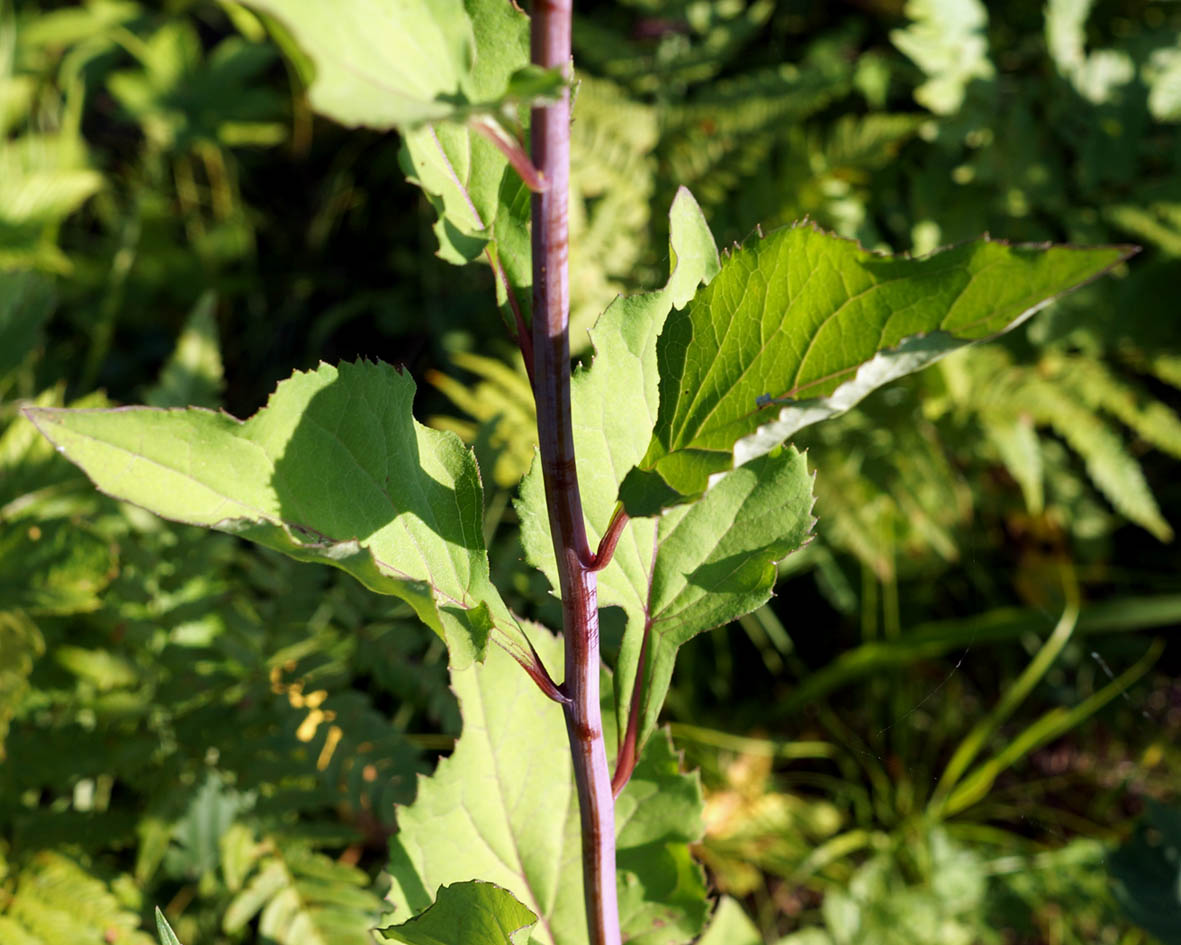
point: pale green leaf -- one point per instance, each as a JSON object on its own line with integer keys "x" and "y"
{"x": 801, "y": 325}
{"x": 164, "y": 930}
{"x": 382, "y": 62}
{"x": 503, "y": 809}
{"x": 730, "y": 926}
{"x": 333, "y": 469}
{"x": 948, "y": 41}
{"x": 472, "y": 913}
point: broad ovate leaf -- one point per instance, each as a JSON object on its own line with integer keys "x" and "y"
{"x": 394, "y": 63}
{"x": 334, "y": 469}
{"x": 692, "y": 569}
{"x": 503, "y": 809}
{"x": 472, "y": 913}
{"x": 801, "y": 325}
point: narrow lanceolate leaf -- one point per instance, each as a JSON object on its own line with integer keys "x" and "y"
{"x": 503, "y": 809}
{"x": 394, "y": 63}
{"x": 693, "y": 569}
{"x": 801, "y": 325}
{"x": 334, "y": 468}
{"x": 466, "y": 914}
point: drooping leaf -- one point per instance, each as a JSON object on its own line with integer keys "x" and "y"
{"x": 502, "y": 808}
{"x": 801, "y": 325}
{"x": 333, "y": 469}
{"x": 472, "y": 913}
{"x": 693, "y": 569}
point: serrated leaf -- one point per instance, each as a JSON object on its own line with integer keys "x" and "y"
{"x": 691, "y": 570}
{"x": 802, "y": 325}
{"x": 481, "y": 202}
{"x": 502, "y": 808}
{"x": 472, "y": 913}
{"x": 333, "y": 469}
{"x": 381, "y": 62}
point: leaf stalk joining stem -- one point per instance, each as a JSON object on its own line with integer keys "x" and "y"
{"x": 550, "y": 140}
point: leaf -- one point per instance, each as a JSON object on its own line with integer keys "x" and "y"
{"x": 164, "y": 930}
{"x": 691, "y": 570}
{"x": 1147, "y": 873}
{"x": 730, "y": 926}
{"x": 948, "y": 40}
{"x": 481, "y": 202}
{"x": 26, "y": 302}
{"x": 472, "y": 913}
{"x": 502, "y": 808}
{"x": 334, "y": 469}
{"x": 193, "y": 375}
{"x": 387, "y": 63}
{"x": 55, "y": 900}
{"x": 302, "y": 896}
{"x": 801, "y": 325}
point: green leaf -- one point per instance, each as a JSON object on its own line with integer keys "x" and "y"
{"x": 502, "y": 808}
{"x": 164, "y": 930}
{"x": 387, "y": 63}
{"x": 730, "y": 926}
{"x": 472, "y": 913}
{"x": 801, "y": 325}
{"x": 479, "y": 198}
{"x": 948, "y": 40}
{"x": 26, "y": 302}
{"x": 193, "y": 375}
{"x": 1147, "y": 873}
{"x": 333, "y": 469}
{"x": 693, "y": 569}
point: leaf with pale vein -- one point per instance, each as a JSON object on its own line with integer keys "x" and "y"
{"x": 503, "y": 809}
{"x": 801, "y": 325}
{"x": 334, "y": 469}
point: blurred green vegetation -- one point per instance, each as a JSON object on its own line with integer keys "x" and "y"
{"x": 966, "y": 691}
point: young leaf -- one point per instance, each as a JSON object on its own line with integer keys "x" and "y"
{"x": 334, "y": 468}
{"x": 801, "y": 325}
{"x": 471, "y": 913}
{"x": 500, "y": 809}
{"x": 691, "y": 570}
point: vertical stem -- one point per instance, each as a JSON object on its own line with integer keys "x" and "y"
{"x": 550, "y": 130}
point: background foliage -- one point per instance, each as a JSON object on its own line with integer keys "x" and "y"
{"x": 965, "y": 691}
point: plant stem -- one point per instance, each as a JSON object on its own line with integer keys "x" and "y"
{"x": 550, "y": 132}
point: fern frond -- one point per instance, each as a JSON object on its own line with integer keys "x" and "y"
{"x": 502, "y": 403}
{"x": 57, "y": 902}
{"x": 1110, "y": 466}
{"x": 305, "y": 898}
{"x": 1098, "y": 387}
